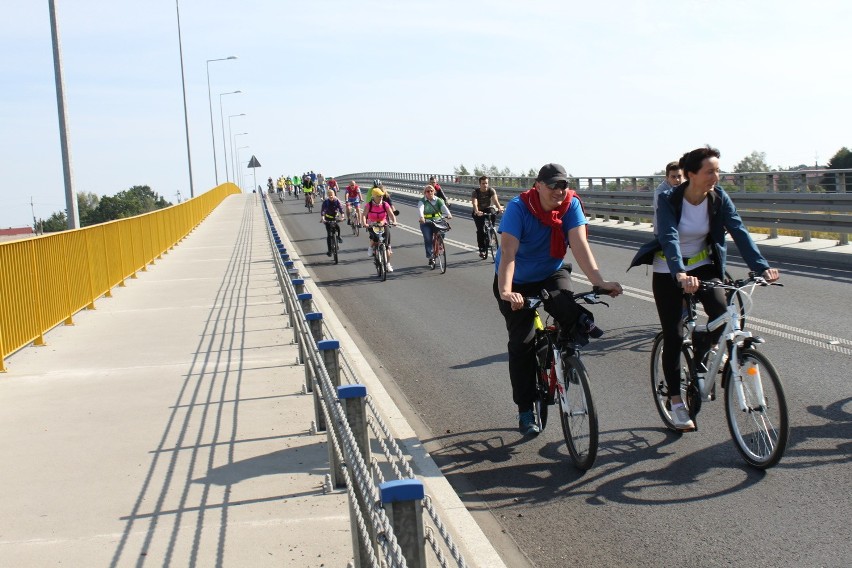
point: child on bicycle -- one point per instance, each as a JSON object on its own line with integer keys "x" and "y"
{"x": 430, "y": 209}
{"x": 331, "y": 210}
{"x": 378, "y": 212}
{"x": 536, "y": 230}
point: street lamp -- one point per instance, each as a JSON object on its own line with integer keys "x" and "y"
{"x": 238, "y": 160}
{"x": 185, "y": 115}
{"x": 210, "y": 102}
{"x": 231, "y": 139}
{"x": 233, "y": 144}
{"x": 222, "y": 118}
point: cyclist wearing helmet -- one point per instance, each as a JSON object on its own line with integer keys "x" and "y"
{"x": 377, "y": 184}
{"x": 377, "y": 211}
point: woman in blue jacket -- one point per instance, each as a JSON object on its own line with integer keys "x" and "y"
{"x": 690, "y": 246}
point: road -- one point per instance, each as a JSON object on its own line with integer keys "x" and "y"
{"x": 653, "y": 497}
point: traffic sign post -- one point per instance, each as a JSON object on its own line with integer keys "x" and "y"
{"x": 254, "y": 164}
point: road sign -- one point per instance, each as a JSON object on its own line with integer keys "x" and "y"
{"x": 253, "y": 163}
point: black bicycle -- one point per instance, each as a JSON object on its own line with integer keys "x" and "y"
{"x": 561, "y": 377}
{"x": 488, "y": 227}
{"x": 333, "y": 238}
{"x": 380, "y": 250}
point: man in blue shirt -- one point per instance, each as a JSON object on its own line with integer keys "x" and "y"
{"x": 536, "y": 230}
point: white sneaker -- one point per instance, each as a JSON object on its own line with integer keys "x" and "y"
{"x": 680, "y": 417}
{"x": 390, "y": 268}
{"x": 370, "y": 252}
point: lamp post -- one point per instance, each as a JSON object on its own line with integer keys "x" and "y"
{"x": 70, "y": 194}
{"x": 210, "y": 103}
{"x": 185, "y": 115}
{"x": 238, "y": 161}
{"x": 233, "y": 144}
{"x": 231, "y": 140}
{"x": 222, "y": 118}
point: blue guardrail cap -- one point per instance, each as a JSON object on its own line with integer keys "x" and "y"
{"x": 351, "y": 391}
{"x": 401, "y": 490}
{"x": 328, "y": 344}
{"x": 311, "y": 316}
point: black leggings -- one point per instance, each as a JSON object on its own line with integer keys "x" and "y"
{"x": 519, "y": 323}
{"x": 669, "y": 299}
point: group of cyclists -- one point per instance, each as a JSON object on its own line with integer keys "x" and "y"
{"x": 307, "y": 184}
{"x": 538, "y": 227}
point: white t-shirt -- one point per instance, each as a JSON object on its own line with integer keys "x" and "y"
{"x": 692, "y": 232}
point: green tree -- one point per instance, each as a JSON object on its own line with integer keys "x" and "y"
{"x": 55, "y": 223}
{"x": 754, "y": 162}
{"x": 842, "y": 160}
{"x": 87, "y": 202}
{"x": 461, "y": 170}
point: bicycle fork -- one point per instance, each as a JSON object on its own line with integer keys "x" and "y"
{"x": 746, "y": 375}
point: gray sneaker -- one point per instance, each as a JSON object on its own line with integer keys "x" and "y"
{"x": 681, "y": 419}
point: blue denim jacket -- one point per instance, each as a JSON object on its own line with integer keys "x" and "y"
{"x": 723, "y": 216}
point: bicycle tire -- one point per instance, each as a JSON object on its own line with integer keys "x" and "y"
{"x": 442, "y": 254}
{"x": 540, "y": 405}
{"x": 577, "y": 413}
{"x": 382, "y": 254}
{"x": 353, "y": 219}
{"x": 659, "y": 388}
{"x": 335, "y": 246}
{"x": 761, "y": 432}
{"x": 492, "y": 244}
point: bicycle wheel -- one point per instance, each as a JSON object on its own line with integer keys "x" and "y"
{"x": 353, "y": 219}
{"x": 441, "y": 253}
{"x": 660, "y": 390}
{"x": 335, "y": 246}
{"x": 382, "y": 255}
{"x": 760, "y": 432}
{"x": 577, "y": 413}
{"x": 492, "y": 244}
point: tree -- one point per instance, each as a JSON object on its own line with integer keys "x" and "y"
{"x": 754, "y": 162}
{"x": 461, "y": 171}
{"x": 137, "y": 200}
{"x": 87, "y": 202}
{"x": 55, "y": 223}
{"x": 842, "y": 160}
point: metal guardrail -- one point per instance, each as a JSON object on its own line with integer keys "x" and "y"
{"x": 348, "y": 427}
{"x": 793, "y": 201}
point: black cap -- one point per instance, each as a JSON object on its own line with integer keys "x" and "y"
{"x": 552, "y": 173}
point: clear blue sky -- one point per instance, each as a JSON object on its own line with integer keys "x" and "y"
{"x": 605, "y": 88}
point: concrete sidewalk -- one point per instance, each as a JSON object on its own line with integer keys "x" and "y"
{"x": 168, "y": 428}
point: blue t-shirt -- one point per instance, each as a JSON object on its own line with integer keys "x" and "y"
{"x": 533, "y": 262}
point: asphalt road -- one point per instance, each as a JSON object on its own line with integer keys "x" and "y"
{"x": 653, "y": 497}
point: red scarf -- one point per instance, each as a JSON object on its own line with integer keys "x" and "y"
{"x": 552, "y": 219}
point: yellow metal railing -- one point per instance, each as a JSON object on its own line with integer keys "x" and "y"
{"x": 45, "y": 280}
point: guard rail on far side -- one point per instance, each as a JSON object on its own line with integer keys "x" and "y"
{"x": 801, "y": 201}
{"x": 45, "y": 280}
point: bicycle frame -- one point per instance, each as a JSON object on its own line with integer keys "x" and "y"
{"x": 735, "y": 338}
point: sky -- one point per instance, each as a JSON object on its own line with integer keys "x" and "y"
{"x": 615, "y": 88}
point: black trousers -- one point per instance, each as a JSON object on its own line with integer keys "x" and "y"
{"x": 519, "y": 324}
{"x": 669, "y": 299}
{"x": 331, "y": 231}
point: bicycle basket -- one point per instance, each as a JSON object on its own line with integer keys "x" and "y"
{"x": 441, "y": 225}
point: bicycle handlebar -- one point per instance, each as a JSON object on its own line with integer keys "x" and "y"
{"x": 590, "y": 297}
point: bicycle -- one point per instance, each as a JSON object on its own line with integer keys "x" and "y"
{"x": 491, "y": 232}
{"x": 333, "y": 238}
{"x": 562, "y": 377}
{"x": 309, "y": 201}
{"x": 380, "y": 251}
{"x": 439, "y": 251}
{"x": 755, "y": 404}
{"x": 355, "y": 218}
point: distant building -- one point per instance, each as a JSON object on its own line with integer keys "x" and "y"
{"x": 16, "y": 233}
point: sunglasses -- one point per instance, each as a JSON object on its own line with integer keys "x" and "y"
{"x": 558, "y": 186}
